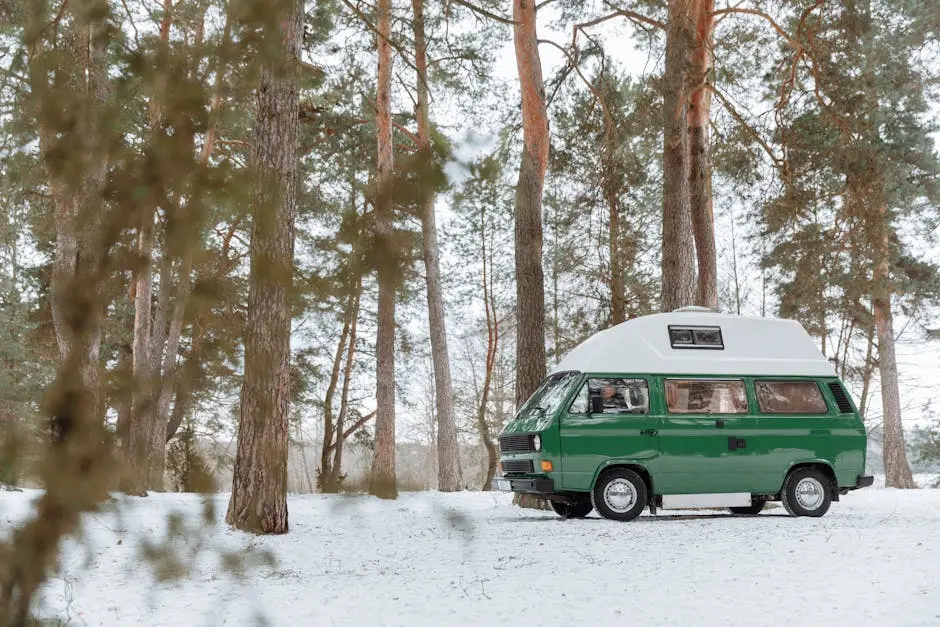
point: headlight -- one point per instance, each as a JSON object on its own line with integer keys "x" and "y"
{"x": 536, "y": 442}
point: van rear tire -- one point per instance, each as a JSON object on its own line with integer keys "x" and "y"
{"x": 751, "y": 510}
{"x": 807, "y": 492}
{"x": 573, "y": 510}
{"x": 619, "y": 494}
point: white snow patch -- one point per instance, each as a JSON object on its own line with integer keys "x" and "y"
{"x": 473, "y": 558}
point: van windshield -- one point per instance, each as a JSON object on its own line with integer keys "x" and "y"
{"x": 550, "y": 394}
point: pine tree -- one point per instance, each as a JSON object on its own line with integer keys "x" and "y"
{"x": 259, "y": 490}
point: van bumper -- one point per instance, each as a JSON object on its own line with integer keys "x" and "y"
{"x": 864, "y": 481}
{"x": 527, "y": 485}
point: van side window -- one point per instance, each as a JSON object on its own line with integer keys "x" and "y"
{"x": 790, "y": 397}
{"x": 698, "y": 396}
{"x": 618, "y": 396}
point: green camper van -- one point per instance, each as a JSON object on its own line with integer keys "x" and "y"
{"x": 684, "y": 410}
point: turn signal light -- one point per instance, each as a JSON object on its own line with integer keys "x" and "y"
{"x": 546, "y": 465}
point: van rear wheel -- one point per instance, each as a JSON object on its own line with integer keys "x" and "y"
{"x": 620, "y": 494}
{"x": 573, "y": 510}
{"x": 751, "y": 510}
{"x": 806, "y": 492}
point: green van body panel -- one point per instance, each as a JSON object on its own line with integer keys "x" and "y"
{"x": 691, "y": 453}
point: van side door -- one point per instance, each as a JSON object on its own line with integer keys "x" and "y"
{"x": 609, "y": 420}
{"x": 705, "y": 436}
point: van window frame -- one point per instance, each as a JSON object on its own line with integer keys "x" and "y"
{"x": 747, "y": 396}
{"x": 761, "y": 412}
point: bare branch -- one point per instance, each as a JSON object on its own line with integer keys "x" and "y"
{"x": 130, "y": 18}
{"x": 750, "y": 129}
{"x": 735, "y": 10}
{"x": 485, "y": 13}
{"x": 573, "y": 62}
{"x": 633, "y": 16}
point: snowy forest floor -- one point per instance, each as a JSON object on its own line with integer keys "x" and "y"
{"x": 473, "y": 558}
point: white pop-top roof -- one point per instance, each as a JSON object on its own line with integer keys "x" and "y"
{"x": 752, "y": 346}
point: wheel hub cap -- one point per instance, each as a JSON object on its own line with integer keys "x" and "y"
{"x": 809, "y": 493}
{"x": 620, "y": 495}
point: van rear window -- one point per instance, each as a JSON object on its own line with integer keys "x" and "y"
{"x": 790, "y": 397}
{"x": 698, "y": 396}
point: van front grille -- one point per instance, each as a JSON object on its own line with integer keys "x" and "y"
{"x": 517, "y": 465}
{"x": 845, "y": 407}
{"x": 515, "y": 443}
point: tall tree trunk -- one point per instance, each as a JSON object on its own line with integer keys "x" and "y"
{"x": 897, "y": 470}
{"x": 147, "y": 442}
{"x": 612, "y": 176}
{"x": 77, "y": 202}
{"x": 76, "y": 471}
{"x": 382, "y": 481}
{"x": 678, "y": 257}
{"x": 700, "y": 166}
{"x": 448, "y": 466}
{"x": 174, "y": 385}
{"x": 492, "y": 347}
{"x": 143, "y": 412}
{"x": 867, "y": 370}
{"x": 326, "y": 471}
{"x": 530, "y": 291}
{"x": 259, "y": 487}
{"x": 337, "y": 465}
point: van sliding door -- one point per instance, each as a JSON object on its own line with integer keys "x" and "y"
{"x": 704, "y": 439}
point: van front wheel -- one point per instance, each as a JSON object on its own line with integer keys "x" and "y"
{"x": 620, "y": 494}
{"x": 806, "y": 492}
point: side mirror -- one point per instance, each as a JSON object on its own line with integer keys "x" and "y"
{"x": 597, "y": 404}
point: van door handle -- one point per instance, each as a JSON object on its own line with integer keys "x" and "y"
{"x": 649, "y": 432}
{"x": 736, "y": 443}
{"x": 720, "y": 424}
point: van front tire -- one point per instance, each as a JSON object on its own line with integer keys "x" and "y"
{"x": 806, "y": 492}
{"x": 619, "y": 494}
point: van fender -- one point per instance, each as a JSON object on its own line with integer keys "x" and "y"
{"x": 821, "y": 463}
{"x": 633, "y": 464}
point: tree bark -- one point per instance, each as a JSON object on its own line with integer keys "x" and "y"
{"x": 382, "y": 482}
{"x": 867, "y": 370}
{"x": 678, "y": 257}
{"x": 77, "y": 206}
{"x": 611, "y": 189}
{"x": 897, "y": 470}
{"x": 259, "y": 488}
{"x": 700, "y": 166}
{"x": 143, "y": 412}
{"x": 530, "y": 290}
{"x": 448, "y": 467}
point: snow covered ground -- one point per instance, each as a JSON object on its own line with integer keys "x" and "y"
{"x": 473, "y": 558}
